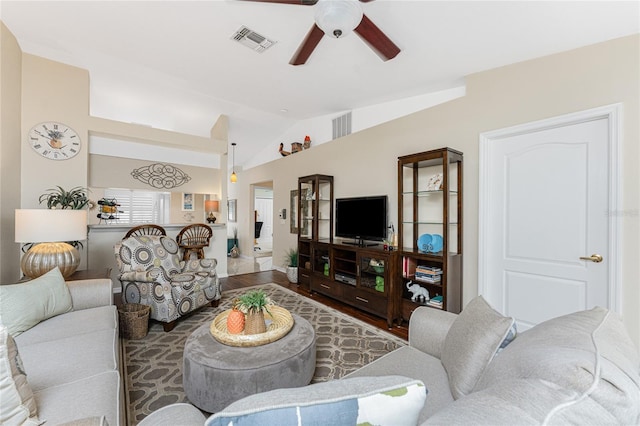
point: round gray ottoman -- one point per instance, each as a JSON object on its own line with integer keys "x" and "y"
{"x": 214, "y": 375}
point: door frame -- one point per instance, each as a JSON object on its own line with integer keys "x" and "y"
{"x": 613, "y": 114}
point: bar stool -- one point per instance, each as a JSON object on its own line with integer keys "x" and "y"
{"x": 193, "y": 239}
{"x": 146, "y": 229}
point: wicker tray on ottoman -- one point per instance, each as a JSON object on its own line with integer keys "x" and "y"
{"x": 280, "y": 324}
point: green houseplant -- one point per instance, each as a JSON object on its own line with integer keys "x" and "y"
{"x": 254, "y": 304}
{"x": 291, "y": 262}
{"x": 75, "y": 198}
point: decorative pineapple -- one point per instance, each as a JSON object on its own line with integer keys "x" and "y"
{"x": 235, "y": 319}
{"x": 254, "y": 303}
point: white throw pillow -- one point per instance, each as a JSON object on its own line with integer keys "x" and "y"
{"x": 471, "y": 343}
{"x": 17, "y": 405}
{"x": 26, "y": 304}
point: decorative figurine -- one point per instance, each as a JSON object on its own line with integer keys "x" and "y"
{"x": 282, "y": 151}
{"x": 418, "y": 292}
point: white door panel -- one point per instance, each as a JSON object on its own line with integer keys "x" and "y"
{"x": 547, "y": 197}
{"x": 533, "y": 298}
{"x": 544, "y": 193}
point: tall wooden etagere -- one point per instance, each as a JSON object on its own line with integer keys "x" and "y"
{"x": 430, "y": 230}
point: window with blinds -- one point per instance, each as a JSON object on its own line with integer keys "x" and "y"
{"x": 141, "y": 206}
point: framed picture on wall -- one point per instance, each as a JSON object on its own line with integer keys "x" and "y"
{"x": 231, "y": 211}
{"x": 188, "y": 203}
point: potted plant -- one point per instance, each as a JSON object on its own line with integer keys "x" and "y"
{"x": 254, "y": 304}
{"x": 75, "y": 198}
{"x": 291, "y": 262}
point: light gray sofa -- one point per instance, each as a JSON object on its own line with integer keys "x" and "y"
{"x": 72, "y": 360}
{"x": 581, "y": 368}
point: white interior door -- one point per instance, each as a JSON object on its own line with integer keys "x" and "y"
{"x": 264, "y": 207}
{"x": 546, "y": 196}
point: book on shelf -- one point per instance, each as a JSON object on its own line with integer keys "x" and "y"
{"x": 436, "y": 302}
{"x": 427, "y": 275}
{"x": 428, "y": 279}
{"x": 428, "y": 270}
{"x": 408, "y": 266}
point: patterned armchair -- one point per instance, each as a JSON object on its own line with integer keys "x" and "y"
{"x": 152, "y": 273}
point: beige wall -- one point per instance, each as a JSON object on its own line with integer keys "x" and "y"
{"x": 115, "y": 172}
{"x": 52, "y": 91}
{"x": 365, "y": 163}
{"x": 10, "y": 106}
{"x": 35, "y": 90}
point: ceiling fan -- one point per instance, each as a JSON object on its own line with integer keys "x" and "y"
{"x": 336, "y": 18}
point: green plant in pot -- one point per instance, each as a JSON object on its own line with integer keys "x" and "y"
{"x": 254, "y": 304}
{"x": 75, "y": 198}
{"x": 291, "y": 262}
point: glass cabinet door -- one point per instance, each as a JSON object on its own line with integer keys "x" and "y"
{"x": 372, "y": 273}
{"x": 305, "y": 209}
{"x": 315, "y": 207}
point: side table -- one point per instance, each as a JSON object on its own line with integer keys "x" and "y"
{"x": 90, "y": 274}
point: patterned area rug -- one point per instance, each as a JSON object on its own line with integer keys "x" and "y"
{"x": 154, "y": 364}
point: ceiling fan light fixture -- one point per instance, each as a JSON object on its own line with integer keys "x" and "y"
{"x": 337, "y": 18}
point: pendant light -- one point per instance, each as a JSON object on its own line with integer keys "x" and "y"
{"x": 234, "y": 176}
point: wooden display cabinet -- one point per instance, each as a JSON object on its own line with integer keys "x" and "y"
{"x": 315, "y": 208}
{"x": 430, "y": 230}
{"x": 358, "y": 276}
{"x": 314, "y": 215}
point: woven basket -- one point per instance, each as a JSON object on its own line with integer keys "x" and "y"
{"x": 134, "y": 320}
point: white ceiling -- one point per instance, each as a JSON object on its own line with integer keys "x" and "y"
{"x": 173, "y": 65}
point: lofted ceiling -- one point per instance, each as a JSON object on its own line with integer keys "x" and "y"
{"x": 173, "y": 64}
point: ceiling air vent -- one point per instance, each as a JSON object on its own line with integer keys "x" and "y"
{"x": 252, "y": 39}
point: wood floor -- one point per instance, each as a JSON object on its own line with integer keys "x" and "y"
{"x": 256, "y": 278}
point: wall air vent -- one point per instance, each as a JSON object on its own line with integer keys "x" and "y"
{"x": 252, "y": 39}
{"x": 342, "y": 126}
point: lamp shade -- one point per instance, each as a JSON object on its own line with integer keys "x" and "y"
{"x": 337, "y": 18}
{"x": 44, "y": 225}
{"x": 212, "y": 206}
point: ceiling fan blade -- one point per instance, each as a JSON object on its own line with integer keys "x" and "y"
{"x": 298, "y": 2}
{"x": 310, "y": 42}
{"x": 376, "y": 39}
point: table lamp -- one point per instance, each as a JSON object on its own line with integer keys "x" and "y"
{"x": 47, "y": 230}
{"x": 211, "y": 207}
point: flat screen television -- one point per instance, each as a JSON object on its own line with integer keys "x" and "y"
{"x": 362, "y": 218}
